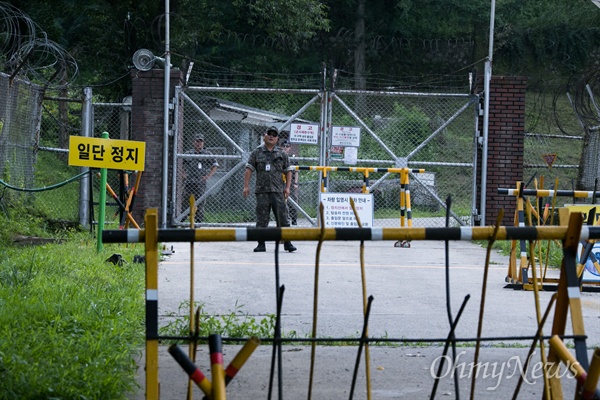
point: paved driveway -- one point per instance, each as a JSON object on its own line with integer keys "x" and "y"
{"x": 409, "y": 301}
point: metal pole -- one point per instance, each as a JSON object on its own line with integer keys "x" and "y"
{"x": 84, "y": 182}
{"x": 486, "y": 113}
{"x": 101, "y": 203}
{"x": 165, "y": 171}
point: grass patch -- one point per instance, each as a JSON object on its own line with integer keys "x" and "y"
{"x": 70, "y": 323}
{"x": 544, "y": 250}
{"x": 234, "y": 324}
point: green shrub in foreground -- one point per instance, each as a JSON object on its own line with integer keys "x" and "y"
{"x": 70, "y": 323}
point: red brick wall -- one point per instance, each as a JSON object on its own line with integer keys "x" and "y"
{"x": 147, "y": 116}
{"x": 506, "y": 133}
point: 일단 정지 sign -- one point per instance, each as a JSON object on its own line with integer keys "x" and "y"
{"x": 107, "y": 153}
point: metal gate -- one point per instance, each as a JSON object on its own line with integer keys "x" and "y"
{"x": 434, "y": 132}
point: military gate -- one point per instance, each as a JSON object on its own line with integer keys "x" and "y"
{"x": 436, "y": 132}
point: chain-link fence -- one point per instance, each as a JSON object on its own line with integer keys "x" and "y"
{"x": 61, "y": 118}
{"x": 434, "y": 132}
{"x": 115, "y": 119}
{"x": 35, "y": 127}
{"x": 428, "y": 131}
{"x": 562, "y": 144}
{"x": 551, "y": 158}
{"x": 77, "y": 201}
{"x": 34, "y": 131}
{"x": 232, "y": 123}
{"x": 19, "y": 120}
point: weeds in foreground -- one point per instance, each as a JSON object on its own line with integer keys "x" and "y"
{"x": 549, "y": 252}
{"x": 234, "y": 324}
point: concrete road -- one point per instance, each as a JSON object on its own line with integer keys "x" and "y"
{"x": 409, "y": 301}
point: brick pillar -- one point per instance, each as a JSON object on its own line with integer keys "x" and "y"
{"x": 506, "y": 133}
{"x": 147, "y": 113}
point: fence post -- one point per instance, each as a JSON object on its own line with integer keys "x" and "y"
{"x": 84, "y": 183}
{"x": 101, "y": 202}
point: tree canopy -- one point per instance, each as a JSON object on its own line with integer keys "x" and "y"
{"x": 403, "y": 40}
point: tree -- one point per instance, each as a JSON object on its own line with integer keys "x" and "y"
{"x": 103, "y": 35}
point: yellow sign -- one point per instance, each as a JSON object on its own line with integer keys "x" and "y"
{"x": 585, "y": 209}
{"x": 106, "y": 153}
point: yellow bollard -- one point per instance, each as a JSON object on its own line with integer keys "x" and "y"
{"x": 216, "y": 367}
{"x": 240, "y": 359}
{"x": 591, "y": 382}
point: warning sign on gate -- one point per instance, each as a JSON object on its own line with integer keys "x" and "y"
{"x": 345, "y": 136}
{"x": 304, "y": 133}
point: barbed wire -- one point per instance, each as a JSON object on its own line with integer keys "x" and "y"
{"x": 208, "y": 74}
{"x": 26, "y": 51}
{"x": 582, "y": 88}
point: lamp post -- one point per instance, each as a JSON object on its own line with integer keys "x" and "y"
{"x": 486, "y": 113}
{"x": 167, "y": 89}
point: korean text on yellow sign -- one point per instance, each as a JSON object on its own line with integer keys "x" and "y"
{"x": 585, "y": 209}
{"x": 107, "y": 153}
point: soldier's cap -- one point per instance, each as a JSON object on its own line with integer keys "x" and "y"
{"x": 199, "y": 136}
{"x": 272, "y": 129}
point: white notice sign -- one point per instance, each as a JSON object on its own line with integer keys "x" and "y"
{"x": 345, "y": 136}
{"x": 304, "y": 133}
{"x": 338, "y": 212}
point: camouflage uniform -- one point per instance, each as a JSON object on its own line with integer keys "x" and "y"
{"x": 196, "y": 169}
{"x": 269, "y": 167}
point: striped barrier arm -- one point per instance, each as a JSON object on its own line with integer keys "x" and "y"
{"x": 579, "y": 194}
{"x": 347, "y": 234}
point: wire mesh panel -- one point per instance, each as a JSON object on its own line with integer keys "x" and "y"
{"x": 548, "y": 158}
{"x": 432, "y": 132}
{"x": 115, "y": 119}
{"x": 34, "y": 177}
{"x": 61, "y": 118}
{"x": 232, "y": 123}
{"x": 19, "y": 120}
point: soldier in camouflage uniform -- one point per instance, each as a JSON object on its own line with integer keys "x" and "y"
{"x": 270, "y": 163}
{"x": 197, "y": 172}
{"x": 292, "y": 212}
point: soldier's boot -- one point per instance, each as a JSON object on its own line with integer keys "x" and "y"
{"x": 288, "y": 246}
{"x": 260, "y": 248}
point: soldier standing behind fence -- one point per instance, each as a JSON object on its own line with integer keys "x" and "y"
{"x": 270, "y": 163}
{"x": 292, "y": 212}
{"x": 197, "y": 171}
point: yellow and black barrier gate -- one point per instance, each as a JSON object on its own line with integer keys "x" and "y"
{"x": 405, "y": 206}
{"x": 528, "y": 213}
{"x": 566, "y": 301}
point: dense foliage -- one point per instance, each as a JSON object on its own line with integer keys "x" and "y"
{"x": 404, "y": 41}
